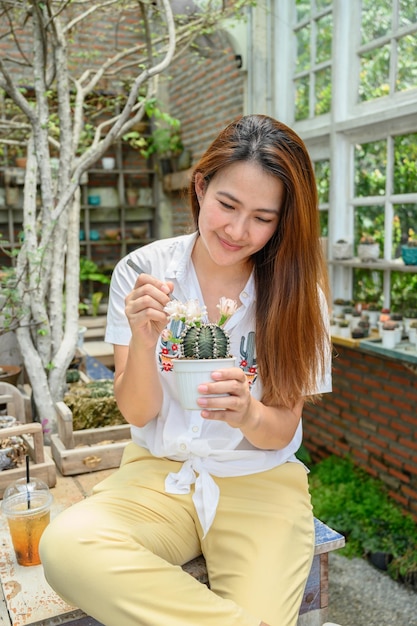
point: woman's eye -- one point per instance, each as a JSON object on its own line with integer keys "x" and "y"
{"x": 264, "y": 220}
{"x": 226, "y": 206}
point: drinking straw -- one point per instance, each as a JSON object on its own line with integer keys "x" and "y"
{"x": 27, "y": 480}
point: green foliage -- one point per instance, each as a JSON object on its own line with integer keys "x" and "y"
{"x": 357, "y": 505}
{"x": 165, "y": 138}
{"x": 89, "y": 270}
{"x": 11, "y": 307}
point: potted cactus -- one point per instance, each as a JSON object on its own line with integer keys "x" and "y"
{"x": 368, "y": 249}
{"x": 203, "y": 347}
{"x": 409, "y": 251}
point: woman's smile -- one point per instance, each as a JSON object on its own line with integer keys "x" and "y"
{"x": 232, "y": 247}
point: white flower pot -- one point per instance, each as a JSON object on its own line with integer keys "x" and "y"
{"x": 81, "y": 332}
{"x": 108, "y": 163}
{"x": 344, "y": 331}
{"x": 389, "y": 339}
{"x": 407, "y": 322}
{"x": 373, "y": 317}
{"x": 342, "y": 250}
{"x": 190, "y": 373}
{"x": 412, "y": 335}
{"x": 368, "y": 251}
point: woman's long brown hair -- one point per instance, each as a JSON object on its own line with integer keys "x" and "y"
{"x": 292, "y": 341}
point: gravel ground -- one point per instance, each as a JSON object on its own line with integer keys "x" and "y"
{"x": 361, "y": 595}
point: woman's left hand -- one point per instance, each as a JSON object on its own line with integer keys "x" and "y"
{"x": 235, "y": 406}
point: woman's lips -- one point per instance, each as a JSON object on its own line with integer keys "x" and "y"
{"x": 229, "y": 246}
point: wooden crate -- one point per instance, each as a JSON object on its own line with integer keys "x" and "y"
{"x": 40, "y": 464}
{"x": 89, "y": 450}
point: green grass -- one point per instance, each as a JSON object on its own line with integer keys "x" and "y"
{"x": 357, "y": 505}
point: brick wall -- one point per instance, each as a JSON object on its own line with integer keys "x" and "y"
{"x": 205, "y": 94}
{"x": 371, "y": 415}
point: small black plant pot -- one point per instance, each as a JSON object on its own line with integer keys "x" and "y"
{"x": 380, "y": 560}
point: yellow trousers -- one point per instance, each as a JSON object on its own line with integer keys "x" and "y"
{"x": 117, "y": 554}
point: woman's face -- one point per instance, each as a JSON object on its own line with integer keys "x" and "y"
{"x": 239, "y": 211}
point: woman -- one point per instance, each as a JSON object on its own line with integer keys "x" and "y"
{"x": 223, "y": 481}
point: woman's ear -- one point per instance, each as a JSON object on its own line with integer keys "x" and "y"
{"x": 199, "y": 185}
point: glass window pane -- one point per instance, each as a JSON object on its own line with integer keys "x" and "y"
{"x": 376, "y": 19}
{"x": 324, "y": 223}
{"x": 370, "y": 163}
{"x": 408, "y": 12}
{"x": 405, "y": 220}
{"x": 369, "y": 220}
{"x": 302, "y": 91}
{"x": 407, "y": 63}
{"x": 405, "y": 163}
{"x": 374, "y": 74}
{"x": 323, "y": 4}
{"x": 403, "y": 292}
{"x": 303, "y": 49}
{"x": 324, "y": 38}
{"x": 303, "y": 9}
{"x": 323, "y": 91}
{"x": 322, "y": 172}
{"x": 367, "y": 286}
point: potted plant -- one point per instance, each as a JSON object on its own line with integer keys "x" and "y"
{"x": 344, "y": 328}
{"x": 342, "y": 249}
{"x": 339, "y": 304}
{"x": 389, "y": 334}
{"x": 412, "y": 332}
{"x": 368, "y": 249}
{"x": 203, "y": 346}
{"x": 373, "y": 312}
{"x": 90, "y": 273}
{"x": 409, "y": 250}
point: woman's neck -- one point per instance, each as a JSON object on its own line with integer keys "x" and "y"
{"x": 216, "y": 281}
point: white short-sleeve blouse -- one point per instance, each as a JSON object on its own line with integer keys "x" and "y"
{"x": 205, "y": 447}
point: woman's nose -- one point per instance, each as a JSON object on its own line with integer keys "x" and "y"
{"x": 237, "y": 228}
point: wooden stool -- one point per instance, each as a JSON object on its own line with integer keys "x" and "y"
{"x": 14, "y": 401}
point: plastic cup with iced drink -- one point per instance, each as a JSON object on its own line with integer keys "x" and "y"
{"x": 26, "y": 505}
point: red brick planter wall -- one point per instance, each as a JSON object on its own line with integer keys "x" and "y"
{"x": 371, "y": 415}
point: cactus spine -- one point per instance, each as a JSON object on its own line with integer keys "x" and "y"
{"x": 206, "y": 341}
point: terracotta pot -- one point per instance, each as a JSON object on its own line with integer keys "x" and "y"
{"x": 21, "y": 161}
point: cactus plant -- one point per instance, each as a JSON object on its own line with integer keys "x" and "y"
{"x": 207, "y": 341}
{"x": 201, "y": 340}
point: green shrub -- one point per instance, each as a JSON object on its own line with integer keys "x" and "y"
{"x": 349, "y": 500}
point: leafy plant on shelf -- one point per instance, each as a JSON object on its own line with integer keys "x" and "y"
{"x": 90, "y": 272}
{"x": 198, "y": 339}
{"x": 165, "y": 139}
{"x": 412, "y": 239}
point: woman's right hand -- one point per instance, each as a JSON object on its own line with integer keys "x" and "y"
{"x": 144, "y": 307}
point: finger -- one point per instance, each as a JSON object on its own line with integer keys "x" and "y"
{"x": 153, "y": 286}
{"x": 230, "y": 387}
{"x": 229, "y": 373}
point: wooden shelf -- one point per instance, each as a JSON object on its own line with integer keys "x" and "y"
{"x": 113, "y": 210}
{"x": 397, "y": 265}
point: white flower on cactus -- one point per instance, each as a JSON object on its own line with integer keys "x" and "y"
{"x": 190, "y": 312}
{"x": 227, "y": 308}
{"x": 175, "y": 310}
{"x": 194, "y": 312}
